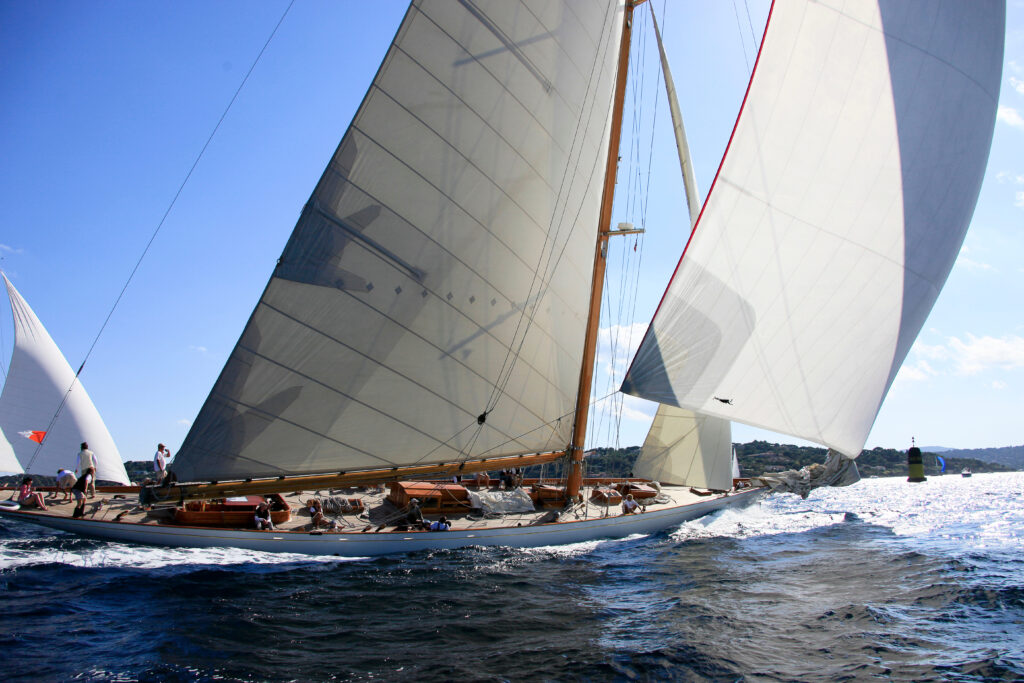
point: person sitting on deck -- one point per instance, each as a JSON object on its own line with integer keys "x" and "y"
{"x": 65, "y": 480}
{"x": 441, "y": 525}
{"x": 262, "y": 517}
{"x": 483, "y": 480}
{"x": 316, "y": 513}
{"x": 414, "y": 515}
{"x": 27, "y": 497}
{"x": 629, "y": 506}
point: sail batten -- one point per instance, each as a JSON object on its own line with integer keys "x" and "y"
{"x": 835, "y": 218}
{"x": 440, "y": 270}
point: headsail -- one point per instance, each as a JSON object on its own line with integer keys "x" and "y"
{"x": 430, "y": 304}
{"x": 683, "y": 447}
{"x": 37, "y": 382}
{"x": 835, "y": 218}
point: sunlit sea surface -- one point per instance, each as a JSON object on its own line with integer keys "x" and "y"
{"x": 882, "y": 580}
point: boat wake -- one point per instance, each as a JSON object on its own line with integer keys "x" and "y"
{"x": 42, "y": 547}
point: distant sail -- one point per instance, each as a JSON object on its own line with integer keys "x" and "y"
{"x": 37, "y": 381}
{"x": 835, "y": 217}
{"x": 8, "y": 461}
{"x": 430, "y": 305}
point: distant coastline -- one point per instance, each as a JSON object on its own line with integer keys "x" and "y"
{"x": 755, "y": 458}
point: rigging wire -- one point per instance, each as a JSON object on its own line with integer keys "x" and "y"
{"x": 622, "y": 319}
{"x": 739, "y": 25}
{"x": 750, "y": 23}
{"x": 160, "y": 225}
{"x": 544, "y": 282}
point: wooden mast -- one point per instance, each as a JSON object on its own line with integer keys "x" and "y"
{"x": 579, "y": 432}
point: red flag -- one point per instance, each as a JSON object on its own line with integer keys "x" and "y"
{"x": 34, "y": 436}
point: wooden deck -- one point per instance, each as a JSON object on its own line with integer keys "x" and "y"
{"x": 377, "y": 515}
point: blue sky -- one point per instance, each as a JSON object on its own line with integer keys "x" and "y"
{"x": 104, "y": 107}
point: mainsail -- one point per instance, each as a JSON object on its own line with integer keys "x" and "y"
{"x": 39, "y": 383}
{"x": 430, "y": 304}
{"x": 835, "y": 217}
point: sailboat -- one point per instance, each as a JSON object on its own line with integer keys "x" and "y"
{"x": 45, "y": 412}
{"x": 435, "y": 310}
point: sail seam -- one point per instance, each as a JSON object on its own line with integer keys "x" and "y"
{"x": 370, "y": 359}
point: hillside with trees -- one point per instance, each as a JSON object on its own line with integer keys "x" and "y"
{"x": 1012, "y": 456}
{"x": 755, "y": 458}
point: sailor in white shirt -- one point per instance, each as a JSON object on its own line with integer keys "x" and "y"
{"x": 160, "y": 462}
{"x": 86, "y": 459}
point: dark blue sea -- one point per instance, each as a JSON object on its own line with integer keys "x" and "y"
{"x": 883, "y": 580}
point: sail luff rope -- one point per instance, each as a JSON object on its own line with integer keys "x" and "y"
{"x": 160, "y": 225}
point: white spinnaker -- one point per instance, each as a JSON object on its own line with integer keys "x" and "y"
{"x": 430, "y": 305}
{"x": 8, "y": 461}
{"x": 835, "y": 218}
{"x": 683, "y": 447}
{"x": 37, "y": 380}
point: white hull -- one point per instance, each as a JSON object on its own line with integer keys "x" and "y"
{"x": 385, "y": 543}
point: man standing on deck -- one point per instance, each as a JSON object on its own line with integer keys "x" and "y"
{"x": 86, "y": 459}
{"x": 160, "y": 463}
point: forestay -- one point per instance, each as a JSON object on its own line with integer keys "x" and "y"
{"x": 430, "y": 303}
{"x": 835, "y": 217}
{"x": 38, "y": 379}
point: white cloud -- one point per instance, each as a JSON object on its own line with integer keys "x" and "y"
{"x": 1014, "y": 66}
{"x": 934, "y": 352}
{"x": 964, "y": 357}
{"x": 971, "y": 264}
{"x": 1007, "y": 177}
{"x": 918, "y": 372}
{"x": 185, "y": 423}
{"x": 11, "y": 250}
{"x": 1018, "y": 199}
{"x": 197, "y": 349}
{"x": 1010, "y": 116}
{"x": 1017, "y": 84}
{"x": 998, "y": 384}
{"x": 977, "y": 354}
{"x": 616, "y": 346}
{"x": 629, "y": 407}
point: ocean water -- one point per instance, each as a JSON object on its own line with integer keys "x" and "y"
{"x": 883, "y": 580}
